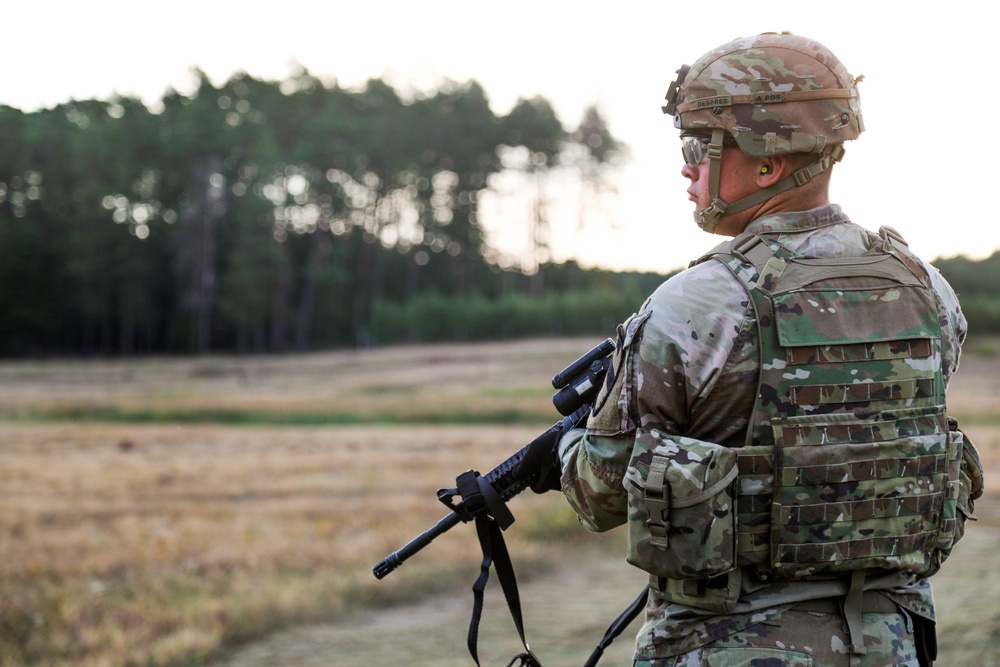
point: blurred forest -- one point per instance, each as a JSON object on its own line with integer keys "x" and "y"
{"x": 270, "y": 216}
{"x": 288, "y": 215}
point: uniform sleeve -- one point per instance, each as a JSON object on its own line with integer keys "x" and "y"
{"x": 954, "y": 327}
{"x": 593, "y": 469}
{"x": 668, "y": 357}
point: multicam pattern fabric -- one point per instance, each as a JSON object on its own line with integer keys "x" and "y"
{"x": 852, "y": 400}
{"x": 682, "y": 508}
{"x": 688, "y": 365}
{"x": 773, "y": 93}
{"x": 805, "y": 639}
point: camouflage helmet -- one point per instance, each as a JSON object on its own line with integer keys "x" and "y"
{"x": 773, "y": 93}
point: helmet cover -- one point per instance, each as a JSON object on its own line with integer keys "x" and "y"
{"x": 773, "y": 93}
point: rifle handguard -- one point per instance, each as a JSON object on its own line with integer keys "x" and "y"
{"x": 578, "y": 384}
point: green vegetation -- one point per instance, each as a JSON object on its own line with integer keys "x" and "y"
{"x": 435, "y": 317}
{"x": 271, "y": 216}
{"x": 267, "y": 216}
{"x": 236, "y": 416}
{"x": 978, "y": 286}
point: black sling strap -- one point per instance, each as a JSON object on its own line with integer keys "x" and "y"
{"x": 495, "y": 553}
{"x": 618, "y": 626}
{"x": 481, "y": 503}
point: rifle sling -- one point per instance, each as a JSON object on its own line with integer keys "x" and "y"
{"x": 618, "y": 626}
{"x": 492, "y": 542}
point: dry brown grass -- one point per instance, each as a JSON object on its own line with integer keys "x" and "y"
{"x": 403, "y": 384}
{"x": 152, "y": 545}
{"x": 128, "y": 544}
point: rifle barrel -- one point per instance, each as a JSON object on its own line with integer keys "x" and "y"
{"x": 502, "y": 481}
{"x": 396, "y": 558}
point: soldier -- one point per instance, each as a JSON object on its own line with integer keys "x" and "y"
{"x": 773, "y": 430}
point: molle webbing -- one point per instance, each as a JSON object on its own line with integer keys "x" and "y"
{"x": 847, "y": 463}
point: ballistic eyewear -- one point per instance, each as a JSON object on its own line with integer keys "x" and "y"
{"x": 695, "y": 148}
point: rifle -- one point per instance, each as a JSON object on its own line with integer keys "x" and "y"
{"x": 576, "y": 386}
{"x": 484, "y": 498}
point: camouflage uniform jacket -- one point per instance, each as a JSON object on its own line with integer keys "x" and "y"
{"x": 695, "y": 374}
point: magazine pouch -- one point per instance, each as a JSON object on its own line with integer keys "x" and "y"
{"x": 682, "y": 516}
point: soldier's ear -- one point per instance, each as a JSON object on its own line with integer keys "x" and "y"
{"x": 772, "y": 170}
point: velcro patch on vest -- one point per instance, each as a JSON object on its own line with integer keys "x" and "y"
{"x": 836, "y": 473}
{"x": 863, "y": 510}
{"x": 863, "y": 392}
{"x": 918, "y": 348}
{"x": 852, "y": 430}
{"x": 838, "y": 316}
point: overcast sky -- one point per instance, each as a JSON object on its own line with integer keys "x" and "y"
{"x": 929, "y": 95}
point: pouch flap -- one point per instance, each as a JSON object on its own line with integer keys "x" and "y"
{"x": 686, "y": 470}
{"x": 837, "y": 316}
{"x": 845, "y": 300}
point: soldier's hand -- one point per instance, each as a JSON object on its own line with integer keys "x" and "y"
{"x": 541, "y": 463}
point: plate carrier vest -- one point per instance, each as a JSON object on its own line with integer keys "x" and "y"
{"x": 848, "y": 463}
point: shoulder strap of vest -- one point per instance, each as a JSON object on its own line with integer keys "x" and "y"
{"x": 721, "y": 249}
{"x": 892, "y": 242}
{"x": 757, "y": 261}
{"x": 752, "y": 248}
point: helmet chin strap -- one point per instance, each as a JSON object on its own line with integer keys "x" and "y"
{"x": 708, "y": 218}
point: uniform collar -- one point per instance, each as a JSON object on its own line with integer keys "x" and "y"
{"x": 798, "y": 221}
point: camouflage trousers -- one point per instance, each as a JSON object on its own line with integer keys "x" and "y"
{"x": 806, "y": 639}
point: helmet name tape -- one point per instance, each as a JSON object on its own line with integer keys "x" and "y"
{"x": 722, "y": 101}
{"x": 768, "y": 98}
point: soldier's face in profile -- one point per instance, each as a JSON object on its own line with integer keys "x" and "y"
{"x": 737, "y": 179}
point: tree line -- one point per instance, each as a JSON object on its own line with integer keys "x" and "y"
{"x": 977, "y": 283}
{"x": 279, "y": 215}
{"x": 267, "y": 216}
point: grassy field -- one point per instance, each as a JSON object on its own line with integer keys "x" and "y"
{"x": 161, "y": 512}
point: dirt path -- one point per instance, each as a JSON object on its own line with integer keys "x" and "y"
{"x": 560, "y": 630}
{"x": 967, "y": 595}
{"x": 563, "y": 632}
